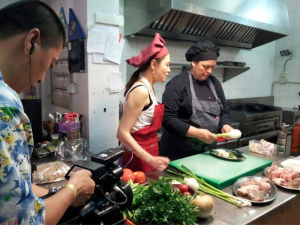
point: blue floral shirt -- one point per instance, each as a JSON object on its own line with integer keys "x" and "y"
{"x": 18, "y": 203}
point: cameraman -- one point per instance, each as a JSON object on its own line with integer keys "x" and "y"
{"x": 31, "y": 39}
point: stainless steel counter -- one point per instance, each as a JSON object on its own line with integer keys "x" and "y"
{"x": 275, "y": 212}
{"x": 283, "y": 210}
{"x": 226, "y": 213}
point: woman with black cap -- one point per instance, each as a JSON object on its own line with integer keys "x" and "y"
{"x": 195, "y": 106}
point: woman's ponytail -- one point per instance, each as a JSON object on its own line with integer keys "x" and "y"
{"x": 134, "y": 77}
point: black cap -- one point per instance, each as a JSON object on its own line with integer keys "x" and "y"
{"x": 202, "y": 51}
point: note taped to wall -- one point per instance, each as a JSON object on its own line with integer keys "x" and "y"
{"x": 97, "y": 37}
{"x": 115, "y": 83}
{"x": 113, "y": 49}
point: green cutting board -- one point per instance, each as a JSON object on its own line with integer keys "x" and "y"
{"x": 221, "y": 173}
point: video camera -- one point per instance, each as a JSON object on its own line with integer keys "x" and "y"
{"x": 111, "y": 195}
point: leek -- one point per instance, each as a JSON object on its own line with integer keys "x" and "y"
{"x": 205, "y": 187}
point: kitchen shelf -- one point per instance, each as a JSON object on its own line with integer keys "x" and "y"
{"x": 229, "y": 71}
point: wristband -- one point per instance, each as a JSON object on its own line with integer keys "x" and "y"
{"x": 141, "y": 154}
{"x": 72, "y": 187}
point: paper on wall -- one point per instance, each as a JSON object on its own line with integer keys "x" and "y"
{"x": 109, "y": 19}
{"x": 97, "y": 37}
{"x": 115, "y": 83}
{"x": 99, "y": 58}
{"x": 113, "y": 49}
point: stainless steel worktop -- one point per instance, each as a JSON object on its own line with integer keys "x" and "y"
{"x": 226, "y": 213}
{"x": 283, "y": 210}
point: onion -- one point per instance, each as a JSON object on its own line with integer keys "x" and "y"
{"x": 205, "y": 204}
{"x": 234, "y": 134}
{"x": 191, "y": 183}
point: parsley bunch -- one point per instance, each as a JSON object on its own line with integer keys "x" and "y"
{"x": 159, "y": 204}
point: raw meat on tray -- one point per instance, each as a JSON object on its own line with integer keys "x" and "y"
{"x": 284, "y": 177}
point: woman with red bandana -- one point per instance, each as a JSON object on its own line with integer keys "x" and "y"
{"x": 143, "y": 114}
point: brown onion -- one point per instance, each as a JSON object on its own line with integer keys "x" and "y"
{"x": 205, "y": 204}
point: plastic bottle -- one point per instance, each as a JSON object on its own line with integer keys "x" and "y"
{"x": 75, "y": 126}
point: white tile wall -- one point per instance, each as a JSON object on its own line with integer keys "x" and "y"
{"x": 286, "y": 95}
{"x": 255, "y": 82}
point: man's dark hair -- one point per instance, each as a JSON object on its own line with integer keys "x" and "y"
{"x": 22, "y": 16}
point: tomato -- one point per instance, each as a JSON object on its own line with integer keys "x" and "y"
{"x": 127, "y": 175}
{"x": 187, "y": 193}
{"x": 183, "y": 188}
{"x": 139, "y": 177}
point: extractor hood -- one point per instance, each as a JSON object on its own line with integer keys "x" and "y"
{"x": 235, "y": 23}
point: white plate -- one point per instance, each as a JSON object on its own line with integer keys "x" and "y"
{"x": 292, "y": 164}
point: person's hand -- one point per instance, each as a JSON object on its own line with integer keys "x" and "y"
{"x": 159, "y": 162}
{"x": 206, "y": 136}
{"x": 225, "y": 129}
{"x": 84, "y": 185}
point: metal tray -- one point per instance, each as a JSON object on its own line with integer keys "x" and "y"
{"x": 272, "y": 194}
{"x": 238, "y": 154}
{"x": 146, "y": 182}
{"x": 267, "y": 175}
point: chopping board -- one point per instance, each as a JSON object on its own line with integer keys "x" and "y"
{"x": 221, "y": 173}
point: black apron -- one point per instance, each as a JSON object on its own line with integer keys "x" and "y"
{"x": 205, "y": 115}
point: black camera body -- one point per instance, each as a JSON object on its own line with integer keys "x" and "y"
{"x": 111, "y": 195}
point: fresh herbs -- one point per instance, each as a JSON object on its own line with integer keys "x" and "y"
{"x": 205, "y": 187}
{"x": 160, "y": 204}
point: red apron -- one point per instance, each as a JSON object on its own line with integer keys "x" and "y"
{"x": 147, "y": 139}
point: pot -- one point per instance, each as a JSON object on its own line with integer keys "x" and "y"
{"x": 254, "y": 106}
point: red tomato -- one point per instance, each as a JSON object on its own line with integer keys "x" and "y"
{"x": 127, "y": 175}
{"x": 183, "y": 188}
{"x": 187, "y": 193}
{"x": 139, "y": 177}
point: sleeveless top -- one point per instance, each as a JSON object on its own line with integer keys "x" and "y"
{"x": 146, "y": 116}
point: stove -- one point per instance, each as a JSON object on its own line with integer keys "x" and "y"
{"x": 253, "y": 122}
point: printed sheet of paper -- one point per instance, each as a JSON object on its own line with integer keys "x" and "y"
{"x": 113, "y": 49}
{"x": 97, "y": 37}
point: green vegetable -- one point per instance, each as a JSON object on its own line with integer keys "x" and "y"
{"x": 205, "y": 187}
{"x": 159, "y": 204}
{"x": 231, "y": 155}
